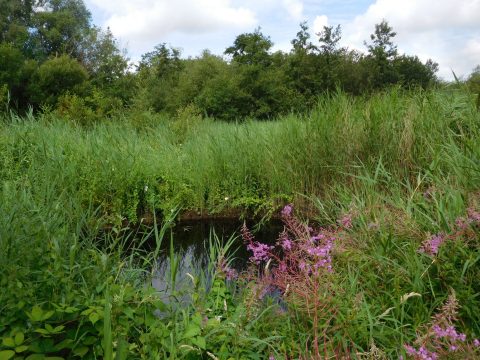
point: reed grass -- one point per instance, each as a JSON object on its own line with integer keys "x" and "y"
{"x": 406, "y": 164}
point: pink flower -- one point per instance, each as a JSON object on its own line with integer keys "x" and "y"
{"x": 230, "y": 274}
{"x": 473, "y": 216}
{"x": 461, "y": 223}
{"x": 287, "y": 210}
{"x": 432, "y": 244}
{"x": 261, "y": 252}
{"x": 346, "y": 221}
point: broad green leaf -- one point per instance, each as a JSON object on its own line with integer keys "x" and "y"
{"x": 86, "y": 312}
{"x": 8, "y": 342}
{"x": 89, "y": 340}
{"x": 48, "y": 315}
{"x": 191, "y": 331}
{"x": 65, "y": 344}
{"x": 36, "y": 314}
{"x": 94, "y": 317}
{"x": 6, "y": 354}
{"x": 80, "y": 351}
{"x": 21, "y": 348}
{"x": 36, "y": 357}
{"x": 200, "y": 342}
{"x": 58, "y": 329}
{"x": 19, "y": 337}
{"x": 129, "y": 312}
{"x": 42, "y": 331}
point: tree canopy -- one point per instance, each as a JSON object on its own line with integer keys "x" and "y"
{"x": 51, "y": 54}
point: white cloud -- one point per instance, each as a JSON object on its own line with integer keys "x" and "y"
{"x": 319, "y": 22}
{"x": 147, "y": 22}
{"x": 294, "y": 9}
{"x": 444, "y": 30}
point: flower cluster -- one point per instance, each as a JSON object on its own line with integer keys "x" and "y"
{"x": 432, "y": 244}
{"x": 284, "y": 241}
{"x": 320, "y": 249}
{"x": 449, "y": 333}
{"x": 421, "y": 353}
{"x": 441, "y": 338}
{"x": 230, "y": 273}
{"x": 261, "y": 252}
{"x": 472, "y": 218}
{"x": 346, "y": 221}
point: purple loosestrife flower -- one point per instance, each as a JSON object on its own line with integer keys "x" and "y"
{"x": 410, "y": 350}
{"x": 246, "y": 234}
{"x": 473, "y": 215}
{"x": 287, "y": 244}
{"x": 476, "y": 343}
{"x": 230, "y": 274}
{"x": 287, "y": 210}
{"x": 421, "y": 353}
{"x": 432, "y": 244}
{"x": 346, "y": 221}
{"x": 284, "y": 241}
{"x": 461, "y": 223}
{"x": 449, "y": 333}
{"x": 261, "y": 252}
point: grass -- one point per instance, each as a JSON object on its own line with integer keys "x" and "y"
{"x": 403, "y": 165}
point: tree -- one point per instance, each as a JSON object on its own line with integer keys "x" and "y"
{"x": 330, "y": 56}
{"x": 302, "y": 65}
{"x": 59, "y": 28}
{"x": 412, "y": 72}
{"x": 100, "y": 55}
{"x": 15, "y": 21}
{"x": 158, "y": 73}
{"x": 329, "y": 38}
{"x": 382, "y": 51}
{"x": 382, "y": 45}
{"x": 56, "y": 77}
{"x": 251, "y": 49}
{"x": 302, "y": 43}
{"x": 11, "y": 60}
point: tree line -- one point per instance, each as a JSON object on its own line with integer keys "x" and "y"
{"x": 53, "y": 58}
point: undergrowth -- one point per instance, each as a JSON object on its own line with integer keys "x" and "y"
{"x": 379, "y": 257}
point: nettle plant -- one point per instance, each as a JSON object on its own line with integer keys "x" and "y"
{"x": 300, "y": 270}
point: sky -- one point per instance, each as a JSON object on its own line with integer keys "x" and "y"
{"x": 447, "y": 31}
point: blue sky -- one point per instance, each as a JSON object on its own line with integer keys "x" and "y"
{"x": 447, "y": 31}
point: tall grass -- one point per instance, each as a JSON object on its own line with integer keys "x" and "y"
{"x": 212, "y": 166}
{"x": 403, "y": 165}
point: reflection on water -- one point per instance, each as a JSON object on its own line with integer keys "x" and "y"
{"x": 190, "y": 242}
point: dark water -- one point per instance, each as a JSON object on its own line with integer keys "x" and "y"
{"x": 190, "y": 242}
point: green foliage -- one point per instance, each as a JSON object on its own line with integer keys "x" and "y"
{"x": 404, "y": 162}
{"x": 158, "y": 73}
{"x": 251, "y": 49}
{"x": 37, "y": 38}
{"x": 473, "y": 84}
{"x": 56, "y": 77}
{"x": 59, "y": 27}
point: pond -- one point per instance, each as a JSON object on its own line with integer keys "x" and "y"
{"x": 190, "y": 243}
